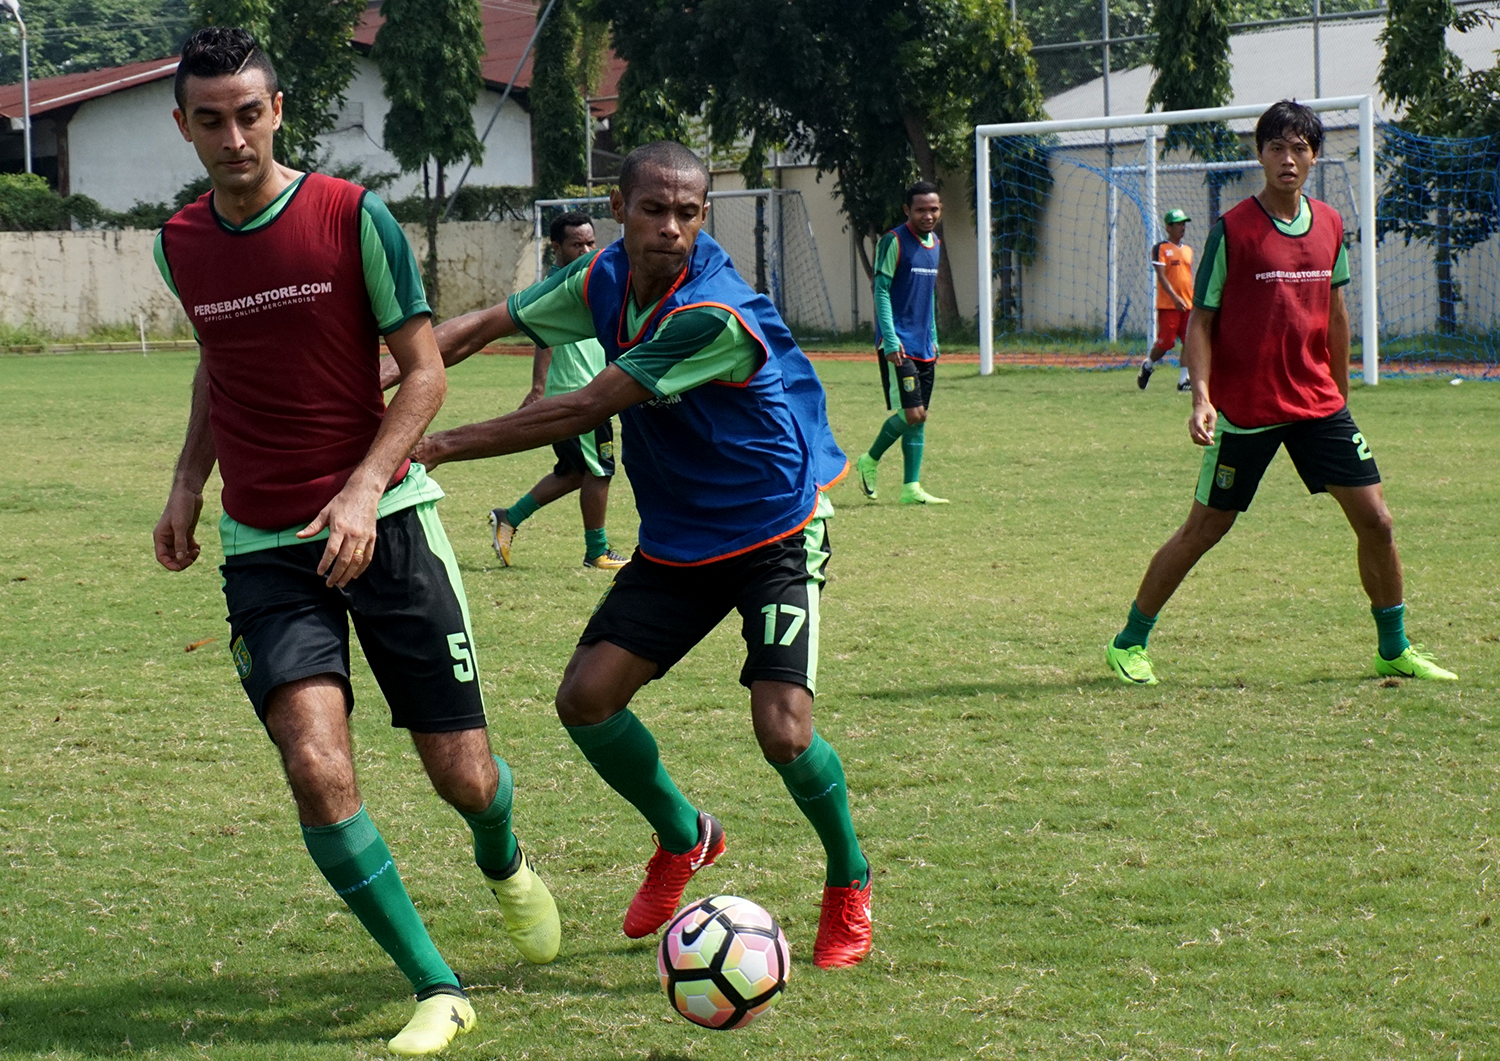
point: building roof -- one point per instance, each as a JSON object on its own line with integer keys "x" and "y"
{"x": 54, "y": 93}
{"x": 508, "y": 25}
{"x": 1277, "y": 64}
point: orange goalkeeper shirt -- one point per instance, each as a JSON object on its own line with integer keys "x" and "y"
{"x": 1178, "y": 259}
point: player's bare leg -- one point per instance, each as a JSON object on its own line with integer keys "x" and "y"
{"x": 1199, "y": 533}
{"x": 308, "y": 720}
{"x": 1379, "y": 565}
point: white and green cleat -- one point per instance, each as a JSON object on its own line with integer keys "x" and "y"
{"x": 438, "y": 1020}
{"x": 913, "y": 494}
{"x": 529, "y": 913}
{"x": 1131, "y": 665}
{"x": 1413, "y": 662}
{"x": 866, "y": 468}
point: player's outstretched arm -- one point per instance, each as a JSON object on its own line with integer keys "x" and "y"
{"x": 1338, "y": 341}
{"x": 458, "y": 338}
{"x": 176, "y": 545}
{"x": 1196, "y": 354}
{"x": 538, "y": 424}
{"x": 350, "y": 517}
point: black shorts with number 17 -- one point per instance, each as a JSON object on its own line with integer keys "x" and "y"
{"x": 1328, "y": 451}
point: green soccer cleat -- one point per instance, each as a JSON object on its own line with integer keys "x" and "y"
{"x": 1131, "y": 665}
{"x": 501, "y": 534}
{"x": 528, "y": 911}
{"x": 437, "y": 1021}
{"x": 866, "y": 467}
{"x": 1413, "y": 662}
{"x": 913, "y": 494}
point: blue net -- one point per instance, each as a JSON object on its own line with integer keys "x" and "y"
{"x": 1436, "y": 218}
{"x": 1074, "y": 221}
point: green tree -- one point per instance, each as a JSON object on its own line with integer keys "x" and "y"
{"x": 569, "y": 61}
{"x": 879, "y": 92}
{"x": 70, "y": 36}
{"x": 429, "y": 54}
{"x": 308, "y": 42}
{"x": 1441, "y": 161}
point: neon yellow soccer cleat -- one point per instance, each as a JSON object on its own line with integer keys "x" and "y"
{"x": 529, "y": 913}
{"x": 437, "y": 1021}
{"x": 913, "y": 494}
{"x": 866, "y": 468}
{"x": 1414, "y": 662}
{"x": 1131, "y": 665}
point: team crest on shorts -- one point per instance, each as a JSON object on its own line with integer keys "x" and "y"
{"x": 909, "y": 383}
{"x": 607, "y": 451}
{"x": 241, "y": 657}
{"x": 1224, "y": 478}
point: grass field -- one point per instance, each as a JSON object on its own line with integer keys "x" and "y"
{"x": 1270, "y": 855}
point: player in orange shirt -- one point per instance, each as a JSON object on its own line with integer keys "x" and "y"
{"x": 1172, "y": 261}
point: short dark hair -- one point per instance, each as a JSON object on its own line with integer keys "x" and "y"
{"x": 1289, "y": 116}
{"x": 666, "y": 156}
{"x": 223, "y": 51}
{"x": 572, "y": 219}
{"x": 921, "y": 188}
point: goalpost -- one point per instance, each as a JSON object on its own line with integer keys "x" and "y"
{"x": 1094, "y": 145}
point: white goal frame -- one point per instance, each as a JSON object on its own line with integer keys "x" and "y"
{"x": 1364, "y": 201}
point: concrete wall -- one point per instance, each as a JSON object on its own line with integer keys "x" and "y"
{"x": 69, "y": 283}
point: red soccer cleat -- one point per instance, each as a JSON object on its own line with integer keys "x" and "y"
{"x": 667, "y": 876}
{"x": 843, "y": 926}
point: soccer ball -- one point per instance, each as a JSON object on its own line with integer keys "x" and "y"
{"x": 723, "y": 962}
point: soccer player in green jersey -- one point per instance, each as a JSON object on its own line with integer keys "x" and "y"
{"x": 1268, "y": 357}
{"x": 290, "y": 280}
{"x": 906, "y": 272}
{"x": 585, "y": 463}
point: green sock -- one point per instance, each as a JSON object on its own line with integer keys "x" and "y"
{"x": 624, "y": 753}
{"x": 893, "y": 428}
{"x": 816, "y": 781}
{"x": 494, "y": 843}
{"x": 911, "y": 453}
{"x": 355, "y": 860}
{"x": 1390, "y": 624}
{"x": 1137, "y": 628}
{"x": 521, "y": 510}
{"x": 595, "y": 543}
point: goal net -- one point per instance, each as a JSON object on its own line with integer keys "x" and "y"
{"x": 766, "y": 232}
{"x": 1075, "y": 207}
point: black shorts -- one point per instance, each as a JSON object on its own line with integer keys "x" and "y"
{"x": 408, "y": 609}
{"x": 1329, "y": 451}
{"x": 907, "y": 385}
{"x": 660, "y": 611}
{"x": 590, "y": 454}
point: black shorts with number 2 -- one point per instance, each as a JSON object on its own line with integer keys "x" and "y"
{"x": 408, "y": 609}
{"x": 1328, "y": 451}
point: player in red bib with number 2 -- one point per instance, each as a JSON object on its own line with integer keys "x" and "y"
{"x": 1268, "y": 354}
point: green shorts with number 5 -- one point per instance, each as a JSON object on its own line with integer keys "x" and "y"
{"x": 1329, "y": 451}
{"x": 408, "y": 610}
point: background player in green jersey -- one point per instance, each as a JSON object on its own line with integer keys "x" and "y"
{"x": 585, "y": 463}
{"x": 326, "y": 520}
{"x": 906, "y": 271}
{"x": 1268, "y": 356}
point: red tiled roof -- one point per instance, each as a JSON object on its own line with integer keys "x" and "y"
{"x": 508, "y": 25}
{"x": 51, "y": 93}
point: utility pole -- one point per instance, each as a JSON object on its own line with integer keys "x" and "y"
{"x": 14, "y": 7}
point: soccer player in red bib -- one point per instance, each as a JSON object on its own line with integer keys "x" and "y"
{"x": 289, "y": 280}
{"x": 1268, "y": 355}
{"x": 1172, "y": 262}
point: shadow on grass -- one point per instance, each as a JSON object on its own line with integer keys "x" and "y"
{"x": 945, "y": 690}
{"x": 117, "y": 1017}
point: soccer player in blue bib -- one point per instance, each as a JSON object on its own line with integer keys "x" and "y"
{"x": 906, "y": 272}
{"x": 727, "y": 445}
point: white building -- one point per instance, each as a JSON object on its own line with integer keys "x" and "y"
{"x": 109, "y": 134}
